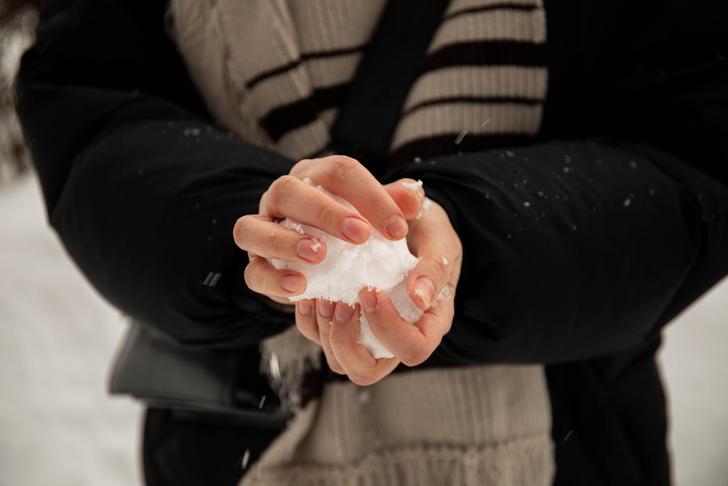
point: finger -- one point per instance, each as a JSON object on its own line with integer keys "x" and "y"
{"x": 358, "y": 363}
{"x": 409, "y": 196}
{"x": 289, "y": 197}
{"x": 324, "y": 316}
{"x": 261, "y": 236}
{"x": 440, "y": 256}
{"x": 306, "y": 320}
{"x": 349, "y": 179}
{"x": 409, "y": 343}
{"x": 261, "y": 277}
{"x": 436, "y": 321}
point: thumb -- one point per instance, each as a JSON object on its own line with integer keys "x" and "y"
{"x": 409, "y": 196}
{"x": 435, "y": 242}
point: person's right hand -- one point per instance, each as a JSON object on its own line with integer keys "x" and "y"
{"x": 386, "y": 208}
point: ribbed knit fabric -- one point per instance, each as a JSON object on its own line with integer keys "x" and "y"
{"x": 274, "y": 71}
{"x": 475, "y": 426}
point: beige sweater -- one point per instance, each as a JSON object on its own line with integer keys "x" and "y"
{"x": 475, "y": 426}
{"x": 273, "y": 72}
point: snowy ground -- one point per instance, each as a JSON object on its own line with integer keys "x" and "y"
{"x": 58, "y": 426}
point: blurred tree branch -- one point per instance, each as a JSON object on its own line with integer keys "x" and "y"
{"x": 17, "y": 20}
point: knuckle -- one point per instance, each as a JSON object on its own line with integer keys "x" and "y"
{"x": 458, "y": 248}
{"x": 323, "y": 327}
{"x": 341, "y": 167}
{"x": 301, "y": 326}
{"x": 240, "y": 230}
{"x": 251, "y": 276}
{"x": 264, "y": 201}
{"x": 361, "y": 379}
{"x": 279, "y": 189}
{"x": 381, "y": 324}
{"x": 275, "y": 240}
{"x": 337, "y": 337}
{"x": 334, "y": 366}
{"x": 303, "y": 329}
{"x": 327, "y": 212}
{"x": 307, "y": 332}
{"x": 441, "y": 271}
{"x": 414, "y": 356}
{"x": 299, "y": 166}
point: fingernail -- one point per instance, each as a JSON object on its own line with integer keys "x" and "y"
{"x": 293, "y": 283}
{"x": 304, "y": 308}
{"x": 325, "y": 308}
{"x": 368, "y": 299}
{"x": 355, "y": 229}
{"x": 344, "y": 312}
{"x": 425, "y": 290}
{"x": 308, "y": 249}
{"x": 396, "y": 227}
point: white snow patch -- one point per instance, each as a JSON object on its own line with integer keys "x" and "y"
{"x": 413, "y": 186}
{"x": 378, "y": 263}
{"x": 290, "y": 224}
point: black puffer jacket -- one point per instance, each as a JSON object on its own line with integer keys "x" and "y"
{"x": 637, "y": 108}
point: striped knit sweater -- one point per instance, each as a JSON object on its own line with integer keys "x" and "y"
{"x": 274, "y": 71}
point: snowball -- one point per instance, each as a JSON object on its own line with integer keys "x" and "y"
{"x": 378, "y": 263}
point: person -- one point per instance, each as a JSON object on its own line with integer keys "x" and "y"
{"x": 576, "y": 157}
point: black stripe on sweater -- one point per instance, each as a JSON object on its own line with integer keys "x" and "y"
{"x": 486, "y": 8}
{"x": 490, "y": 100}
{"x": 286, "y": 118}
{"x": 306, "y": 56}
{"x": 442, "y": 145}
{"x": 487, "y": 53}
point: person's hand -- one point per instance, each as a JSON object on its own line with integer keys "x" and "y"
{"x": 336, "y": 327}
{"x": 385, "y": 208}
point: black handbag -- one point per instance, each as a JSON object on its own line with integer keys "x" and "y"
{"x": 157, "y": 370}
{"x": 152, "y": 367}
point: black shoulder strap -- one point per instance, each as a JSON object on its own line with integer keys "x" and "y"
{"x": 392, "y": 60}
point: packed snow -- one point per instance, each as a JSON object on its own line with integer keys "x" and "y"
{"x": 379, "y": 263}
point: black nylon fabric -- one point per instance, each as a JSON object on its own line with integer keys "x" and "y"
{"x": 367, "y": 118}
{"x": 578, "y": 248}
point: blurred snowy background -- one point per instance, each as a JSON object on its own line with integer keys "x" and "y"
{"x": 57, "y": 338}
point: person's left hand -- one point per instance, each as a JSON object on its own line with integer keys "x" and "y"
{"x": 335, "y": 326}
